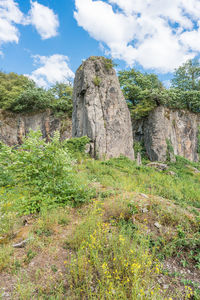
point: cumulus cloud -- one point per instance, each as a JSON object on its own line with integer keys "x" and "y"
{"x": 159, "y": 35}
{"x": 9, "y": 16}
{"x": 51, "y": 69}
{"x": 41, "y": 17}
{"x": 44, "y": 19}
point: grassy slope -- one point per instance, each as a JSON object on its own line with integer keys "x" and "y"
{"x": 138, "y": 239}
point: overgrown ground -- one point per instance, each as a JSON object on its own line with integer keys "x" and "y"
{"x": 94, "y": 229}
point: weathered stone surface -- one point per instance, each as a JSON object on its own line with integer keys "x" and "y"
{"x": 14, "y": 126}
{"x": 180, "y": 127}
{"x": 100, "y": 110}
{"x": 139, "y": 159}
{"x": 158, "y": 166}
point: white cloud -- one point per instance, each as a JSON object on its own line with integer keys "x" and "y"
{"x": 52, "y": 69}
{"x": 40, "y": 16}
{"x": 44, "y": 19}
{"x": 9, "y": 16}
{"x": 159, "y": 35}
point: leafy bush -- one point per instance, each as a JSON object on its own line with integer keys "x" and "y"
{"x": 11, "y": 87}
{"x": 32, "y": 99}
{"x": 144, "y": 92}
{"x": 97, "y": 81}
{"x": 20, "y": 94}
{"x": 75, "y": 145}
{"x": 44, "y": 171}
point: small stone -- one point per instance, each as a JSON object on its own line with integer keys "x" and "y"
{"x": 158, "y": 166}
{"x": 171, "y": 173}
{"x": 21, "y": 244}
{"x": 193, "y": 169}
{"x": 157, "y": 225}
{"x": 143, "y": 195}
{"x": 139, "y": 159}
{"x": 145, "y": 210}
{"x": 5, "y": 295}
{"x": 165, "y": 286}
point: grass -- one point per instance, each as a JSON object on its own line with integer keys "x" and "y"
{"x": 108, "y": 247}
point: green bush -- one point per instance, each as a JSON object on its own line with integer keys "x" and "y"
{"x": 20, "y": 94}
{"x": 45, "y": 172}
{"x": 75, "y": 145}
{"x": 32, "y": 99}
{"x": 97, "y": 81}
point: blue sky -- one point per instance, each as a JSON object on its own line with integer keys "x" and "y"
{"x": 48, "y": 39}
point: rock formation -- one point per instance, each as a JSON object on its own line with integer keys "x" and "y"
{"x": 169, "y": 128}
{"x": 100, "y": 110}
{"x": 13, "y": 127}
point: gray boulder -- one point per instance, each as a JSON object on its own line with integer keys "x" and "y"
{"x": 100, "y": 110}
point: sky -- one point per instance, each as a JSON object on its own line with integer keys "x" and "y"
{"x": 47, "y": 40}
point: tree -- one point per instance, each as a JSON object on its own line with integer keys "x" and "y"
{"x": 141, "y": 91}
{"x": 19, "y": 94}
{"x": 62, "y": 93}
{"x": 11, "y": 86}
{"x": 32, "y": 99}
{"x": 187, "y": 76}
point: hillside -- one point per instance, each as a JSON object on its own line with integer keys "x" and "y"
{"x": 80, "y": 228}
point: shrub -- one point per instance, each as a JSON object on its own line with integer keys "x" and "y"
{"x": 32, "y": 99}
{"x": 75, "y": 145}
{"x": 97, "y": 81}
{"x": 45, "y": 172}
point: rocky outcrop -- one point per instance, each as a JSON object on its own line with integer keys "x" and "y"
{"x": 166, "y": 131}
{"x": 13, "y": 127}
{"x": 100, "y": 110}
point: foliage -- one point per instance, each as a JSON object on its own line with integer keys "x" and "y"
{"x": 141, "y": 91}
{"x": 11, "y": 87}
{"x": 110, "y": 266}
{"x": 108, "y": 63}
{"x": 32, "y": 99}
{"x": 198, "y": 141}
{"x": 121, "y": 173}
{"x": 139, "y": 148}
{"x": 75, "y": 145}
{"x": 170, "y": 150}
{"x": 187, "y": 76}
{"x": 144, "y": 92}
{"x": 62, "y": 93}
{"x": 44, "y": 171}
{"x": 113, "y": 245}
{"x": 97, "y": 81}
{"x": 20, "y": 94}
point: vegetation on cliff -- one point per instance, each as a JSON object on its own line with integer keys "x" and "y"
{"x": 144, "y": 91}
{"x": 20, "y": 94}
{"x": 96, "y": 229}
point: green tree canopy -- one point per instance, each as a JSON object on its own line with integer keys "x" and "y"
{"x": 187, "y": 76}
{"x": 19, "y": 94}
{"x": 141, "y": 91}
{"x": 62, "y": 93}
{"x": 11, "y": 86}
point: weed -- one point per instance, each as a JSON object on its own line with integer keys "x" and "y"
{"x": 97, "y": 81}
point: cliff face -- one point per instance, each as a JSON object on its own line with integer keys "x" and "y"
{"x": 14, "y": 126}
{"x": 163, "y": 126}
{"x": 166, "y": 127}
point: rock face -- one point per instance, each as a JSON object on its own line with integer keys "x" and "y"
{"x": 166, "y": 128}
{"x": 100, "y": 110}
{"x": 14, "y": 126}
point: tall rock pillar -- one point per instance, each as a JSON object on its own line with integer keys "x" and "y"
{"x": 100, "y": 110}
